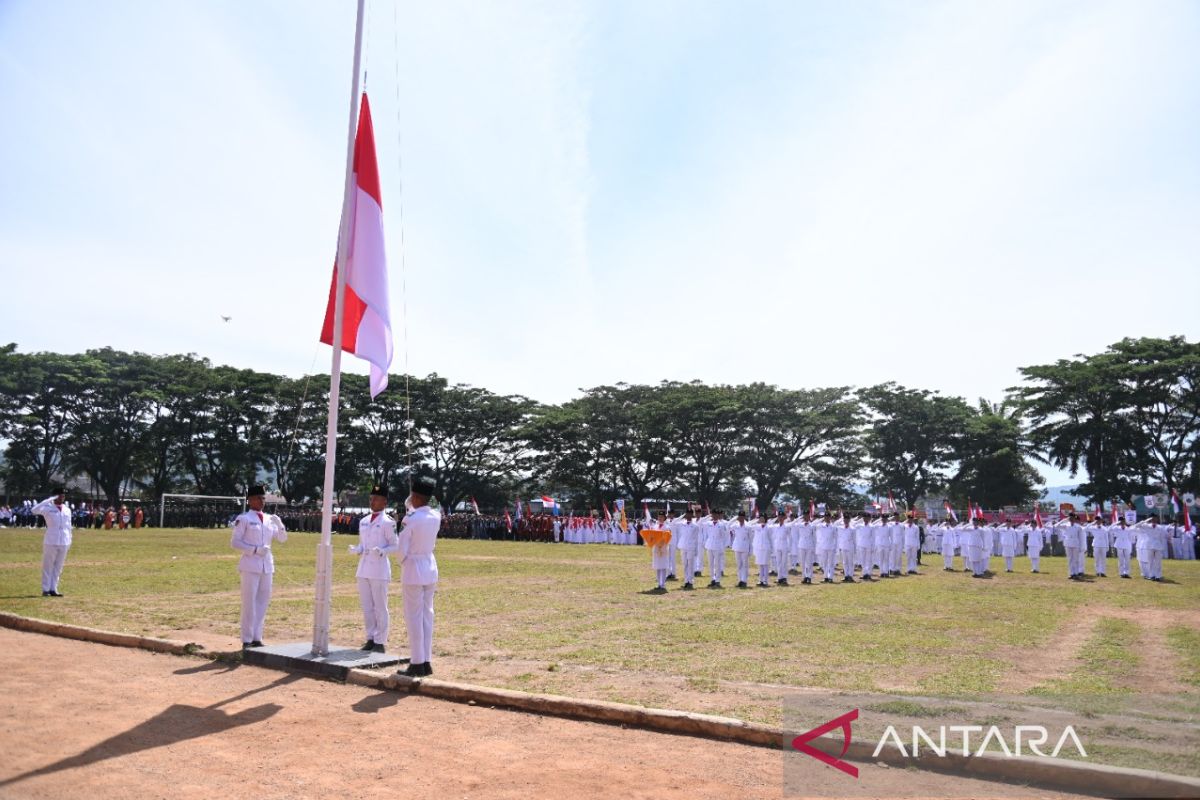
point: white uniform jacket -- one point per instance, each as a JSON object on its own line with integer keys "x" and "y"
{"x": 380, "y": 533}
{"x": 58, "y": 522}
{"x": 418, "y": 536}
{"x": 253, "y": 536}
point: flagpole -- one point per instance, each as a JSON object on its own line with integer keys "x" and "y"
{"x": 324, "y": 584}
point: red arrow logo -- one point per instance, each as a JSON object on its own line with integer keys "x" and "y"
{"x": 843, "y": 722}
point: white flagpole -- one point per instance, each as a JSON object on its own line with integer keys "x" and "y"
{"x": 324, "y": 588}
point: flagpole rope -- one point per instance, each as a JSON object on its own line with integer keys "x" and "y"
{"x": 408, "y": 425}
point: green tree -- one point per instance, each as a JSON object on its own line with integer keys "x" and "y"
{"x": 993, "y": 470}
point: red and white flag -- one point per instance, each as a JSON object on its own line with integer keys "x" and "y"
{"x": 1175, "y": 504}
{"x": 812, "y": 508}
{"x": 646, "y": 510}
{"x": 1187, "y": 520}
{"x": 950, "y": 511}
{"x": 891, "y": 502}
{"x": 1114, "y": 512}
{"x": 366, "y": 317}
{"x": 508, "y": 520}
{"x": 970, "y": 511}
{"x": 1037, "y": 515}
{"x": 474, "y": 505}
{"x": 607, "y": 515}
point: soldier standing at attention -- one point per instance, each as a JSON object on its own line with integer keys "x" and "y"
{"x": 376, "y": 539}
{"x": 56, "y": 541}
{"x": 253, "y": 532}
{"x": 419, "y": 574}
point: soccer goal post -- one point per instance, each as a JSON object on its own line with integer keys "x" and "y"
{"x": 162, "y": 501}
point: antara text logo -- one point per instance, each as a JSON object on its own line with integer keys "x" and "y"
{"x": 965, "y": 740}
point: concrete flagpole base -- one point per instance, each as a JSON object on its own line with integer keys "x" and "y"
{"x": 337, "y": 664}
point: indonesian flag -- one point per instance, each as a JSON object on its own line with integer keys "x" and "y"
{"x": 366, "y": 318}
{"x": 607, "y": 515}
{"x": 950, "y": 510}
{"x": 970, "y": 511}
{"x": 548, "y": 502}
{"x": 1175, "y": 504}
{"x": 1115, "y": 518}
{"x": 812, "y": 508}
{"x": 646, "y": 510}
{"x": 518, "y": 508}
{"x": 891, "y": 502}
{"x": 474, "y": 505}
{"x": 1037, "y": 515}
{"x": 1187, "y": 520}
{"x": 508, "y": 520}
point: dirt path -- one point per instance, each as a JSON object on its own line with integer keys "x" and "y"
{"x": 89, "y": 721}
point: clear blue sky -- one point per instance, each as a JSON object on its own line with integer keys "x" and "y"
{"x": 806, "y": 193}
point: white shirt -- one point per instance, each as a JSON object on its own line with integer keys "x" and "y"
{"x": 912, "y": 535}
{"x": 253, "y": 532}
{"x": 1122, "y": 537}
{"x": 741, "y": 537}
{"x": 376, "y": 531}
{"x": 826, "y": 536}
{"x": 716, "y": 535}
{"x": 418, "y": 567}
{"x": 685, "y": 534}
{"x": 58, "y": 522}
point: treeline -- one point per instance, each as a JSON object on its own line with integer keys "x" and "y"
{"x": 144, "y": 424}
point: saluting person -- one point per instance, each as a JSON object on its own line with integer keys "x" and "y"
{"x": 56, "y": 541}
{"x": 253, "y": 533}
{"x": 376, "y": 539}
{"x": 419, "y": 574}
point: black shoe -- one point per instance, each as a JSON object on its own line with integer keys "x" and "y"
{"x": 1126, "y": 576}
{"x": 1035, "y": 572}
{"x": 1098, "y": 574}
{"x": 412, "y": 671}
{"x": 426, "y": 669}
{"x": 763, "y": 585}
{"x": 772, "y": 572}
{"x": 715, "y": 585}
{"x": 46, "y": 594}
{"x": 245, "y": 646}
{"x": 782, "y": 582}
{"x": 742, "y": 585}
{"x": 793, "y": 572}
{"x": 256, "y": 643}
{"x": 867, "y": 578}
{"x": 697, "y": 575}
{"x": 914, "y": 572}
{"x": 687, "y": 587}
{"x": 55, "y": 594}
{"x": 848, "y": 579}
{"x": 672, "y": 578}
{"x": 378, "y": 648}
{"x": 828, "y": 580}
{"x": 1008, "y": 570}
{"x": 370, "y": 645}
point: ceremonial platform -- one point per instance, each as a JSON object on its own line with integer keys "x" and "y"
{"x": 299, "y": 656}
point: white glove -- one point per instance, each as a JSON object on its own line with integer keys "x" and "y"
{"x": 375, "y": 551}
{"x": 262, "y": 549}
{"x": 353, "y": 548}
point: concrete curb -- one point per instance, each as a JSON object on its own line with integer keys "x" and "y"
{"x": 1073, "y": 776}
{"x": 32, "y": 625}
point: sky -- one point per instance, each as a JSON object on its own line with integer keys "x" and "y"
{"x": 581, "y": 193}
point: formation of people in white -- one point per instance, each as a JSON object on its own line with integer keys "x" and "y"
{"x": 884, "y": 546}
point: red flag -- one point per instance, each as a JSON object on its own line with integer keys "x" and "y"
{"x": 812, "y": 508}
{"x": 891, "y": 502}
{"x": 1187, "y": 520}
{"x": 970, "y": 510}
{"x": 950, "y": 511}
{"x": 1114, "y": 512}
{"x": 474, "y": 505}
{"x": 607, "y": 516}
{"x": 1037, "y": 514}
{"x": 366, "y": 315}
{"x": 508, "y": 520}
{"x": 646, "y": 510}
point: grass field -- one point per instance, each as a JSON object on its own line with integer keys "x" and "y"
{"x": 1122, "y": 655}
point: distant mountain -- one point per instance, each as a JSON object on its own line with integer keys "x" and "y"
{"x": 1064, "y": 494}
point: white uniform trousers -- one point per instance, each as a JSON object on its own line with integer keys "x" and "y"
{"x": 806, "y": 562}
{"x": 53, "y": 558}
{"x": 911, "y": 557}
{"x": 1101, "y": 557}
{"x": 1035, "y": 560}
{"x": 1123, "y": 560}
{"x": 1074, "y": 561}
{"x": 846, "y": 557}
{"x": 418, "y": 617}
{"x": 672, "y": 550}
{"x": 781, "y": 563}
{"x": 1156, "y": 559}
{"x": 1143, "y": 559}
{"x": 690, "y": 557}
{"x": 373, "y": 594}
{"x": 1008, "y": 562}
{"x": 975, "y": 553}
{"x": 743, "y": 566}
{"x": 864, "y": 558}
{"x": 716, "y": 564}
{"x": 896, "y": 550}
{"x": 256, "y": 596}
{"x": 948, "y": 557}
{"x": 825, "y": 558}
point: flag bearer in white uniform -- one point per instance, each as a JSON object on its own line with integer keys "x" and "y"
{"x": 669, "y": 524}
{"x": 1034, "y": 543}
{"x": 974, "y": 549}
{"x": 376, "y": 539}
{"x": 897, "y": 546}
{"x": 761, "y": 546}
{"x": 57, "y": 540}
{"x": 741, "y": 534}
{"x": 1158, "y": 548}
{"x": 253, "y": 533}
{"x": 716, "y": 540}
{"x": 1008, "y": 544}
{"x": 1101, "y": 540}
{"x": 1122, "y": 540}
{"x": 419, "y": 574}
{"x": 688, "y": 534}
{"x": 826, "y": 535}
{"x": 661, "y": 557}
{"x": 864, "y": 541}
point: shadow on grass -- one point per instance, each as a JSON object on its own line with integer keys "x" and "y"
{"x": 172, "y": 725}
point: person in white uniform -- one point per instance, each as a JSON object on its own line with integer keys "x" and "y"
{"x": 741, "y": 534}
{"x": 781, "y": 543}
{"x": 1101, "y": 540}
{"x": 661, "y": 559}
{"x": 974, "y": 540}
{"x": 826, "y": 535}
{"x": 688, "y": 534}
{"x": 949, "y": 542}
{"x": 1035, "y": 540}
{"x": 716, "y": 541}
{"x": 1158, "y": 548}
{"x": 761, "y": 546}
{"x": 912, "y": 545}
{"x": 376, "y": 540}
{"x": 253, "y": 534}
{"x": 806, "y": 546}
{"x": 419, "y": 574}
{"x": 1072, "y": 536}
{"x": 864, "y": 546}
{"x": 1122, "y": 541}
{"x": 1008, "y": 544}
{"x": 845, "y": 549}
{"x": 56, "y": 541}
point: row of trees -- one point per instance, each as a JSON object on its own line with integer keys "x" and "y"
{"x": 137, "y": 423}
